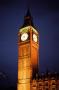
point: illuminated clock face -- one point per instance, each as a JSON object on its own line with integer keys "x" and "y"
{"x": 35, "y": 37}
{"x": 24, "y": 36}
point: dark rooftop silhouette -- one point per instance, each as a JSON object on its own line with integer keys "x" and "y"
{"x": 28, "y": 20}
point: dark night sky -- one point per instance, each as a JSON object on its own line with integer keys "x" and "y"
{"x": 45, "y": 16}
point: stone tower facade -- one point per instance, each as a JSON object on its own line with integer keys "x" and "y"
{"x": 27, "y": 53}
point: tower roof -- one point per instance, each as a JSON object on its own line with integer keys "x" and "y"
{"x": 28, "y": 20}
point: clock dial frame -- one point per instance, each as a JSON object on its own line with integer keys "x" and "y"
{"x": 35, "y": 39}
{"x": 24, "y": 36}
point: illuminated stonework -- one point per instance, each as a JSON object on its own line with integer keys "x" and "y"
{"x": 26, "y": 29}
{"x": 28, "y": 52}
{"x": 27, "y": 59}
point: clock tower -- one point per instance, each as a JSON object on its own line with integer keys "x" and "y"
{"x": 27, "y": 53}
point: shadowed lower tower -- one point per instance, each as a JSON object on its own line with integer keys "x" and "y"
{"x": 27, "y": 53}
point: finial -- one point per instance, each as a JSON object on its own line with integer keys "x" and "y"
{"x": 28, "y": 13}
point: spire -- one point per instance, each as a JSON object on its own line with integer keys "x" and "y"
{"x": 28, "y": 20}
{"x": 28, "y": 14}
